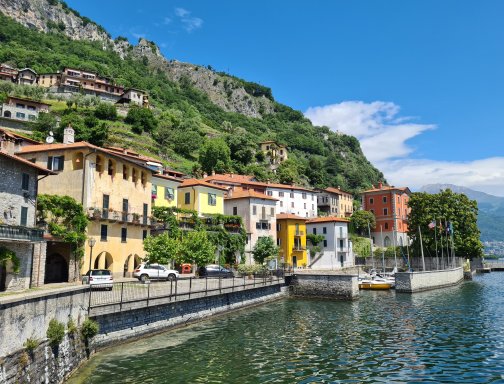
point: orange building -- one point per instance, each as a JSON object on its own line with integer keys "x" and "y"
{"x": 389, "y": 204}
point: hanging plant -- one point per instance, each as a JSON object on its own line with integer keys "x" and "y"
{"x": 8, "y": 255}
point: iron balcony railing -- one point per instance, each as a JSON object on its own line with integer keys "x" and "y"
{"x": 298, "y": 248}
{"x": 299, "y": 233}
{"x": 14, "y": 232}
{"x": 118, "y": 216}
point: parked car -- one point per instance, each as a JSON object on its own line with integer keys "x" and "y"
{"x": 99, "y": 278}
{"x": 154, "y": 271}
{"x": 214, "y": 270}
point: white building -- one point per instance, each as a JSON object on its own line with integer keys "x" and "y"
{"x": 296, "y": 200}
{"x": 258, "y": 212}
{"x": 336, "y": 248}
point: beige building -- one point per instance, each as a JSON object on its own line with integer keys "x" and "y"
{"x": 114, "y": 191}
{"x": 335, "y": 202}
{"x": 27, "y": 76}
{"x": 275, "y": 153}
{"x": 22, "y": 109}
{"x": 134, "y": 96}
{"x": 258, "y": 212}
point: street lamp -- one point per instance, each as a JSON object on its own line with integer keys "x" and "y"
{"x": 91, "y": 243}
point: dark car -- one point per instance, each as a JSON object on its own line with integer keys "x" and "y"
{"x": 214, "y": 270}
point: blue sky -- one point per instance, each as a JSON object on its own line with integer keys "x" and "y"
{"x": 420, "y": 83}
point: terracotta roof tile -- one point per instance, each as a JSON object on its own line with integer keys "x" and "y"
{"x": 328, "y": 219}
{"x": 41, "y": 170}
{"x": 196, "y": 182}
{"x": 249, "y": 194}
{"x": 247, "y": 180}
{"x": 291, "y": 216}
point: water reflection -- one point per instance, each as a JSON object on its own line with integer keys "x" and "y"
{"x": 450, "y": 335}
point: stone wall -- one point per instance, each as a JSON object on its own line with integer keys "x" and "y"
{"x": 331, "y": 286}
{"x": 421, "y": 281}
{"x": 19, "y": 281}
{"x": 29, "y": 316}
{"x": 125, "y": 325}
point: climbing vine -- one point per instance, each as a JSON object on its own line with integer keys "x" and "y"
{"x": 65, "y": 219}
{"x": 8, "y": 255}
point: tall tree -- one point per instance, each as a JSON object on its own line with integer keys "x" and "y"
{"x": 447, "y": 210}
{"x": 161, "y": 249}
{"x": 215, "y": 156}
{"x": 264, "y": 248}
{"x": 360, "y": 221}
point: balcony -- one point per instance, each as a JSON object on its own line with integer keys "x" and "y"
{"x": 299, "y": 233}
{"x": 12, "y": 232}
{"x": 118, "y": 216}
{"x": 298, "y": 248}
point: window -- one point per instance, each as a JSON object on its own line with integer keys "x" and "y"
{"x": 105, "y": 205}
{"x": 279, "y": 242}
{"x": 134, "y": 175}
{"x": 24, "y": 216}
{"x": 32, "y": 117}
{"x": 386, "y": 225}
{"x": 125, "y": 207}
{"x": 55, "y": 163}
{"x": 235, "y": 211}
{"x": 169, "y": 194}
{"x": 272, "y": 211}
{"x": 325, "y": 243}
{"x": 270, "y": 193}
{"x": 384, "y": 199}
{"x": 144, "y": 234}
{"x": 342, "y": 243}
{"x": 18, "y": 105}
{"x": 103, "y": 232}
{"x": 314, "y": 231}
{"x": 212, "y": 199}
{"x": 292, "y": 195}
{"x": 385, "y": 211}
{"x": 280, "y": 194}
{"x": 125, "y": 172}
{"x": 124, "y": 234}
{"x": 313, "y": 207}
{"x": 372, "y": 211}
{"x": 20, "y": 115}
{"x": 281, "y": 204}
{"x": 304, "y": 205}
{"x": 187, "y": 198}
{"x": 324, "y": 230}
{"x": 371, "y": 201}
{"x": 99, "y": 164}
{"x": 111, "y": 168}
{"x": 145, "y": 213}
{"x": 258, "y": 225}
{"x": 25, "y": 184}
{"x": 303, "y": 195}
{"x": 292, "y": 205}
{"x": 254, "y": 210}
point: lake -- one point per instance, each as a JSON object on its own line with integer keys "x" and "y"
{"x": 448, "y": 335}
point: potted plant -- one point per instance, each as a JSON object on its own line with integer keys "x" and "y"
{"x": 97, "y": 213}
{"x": 136, "y": 218}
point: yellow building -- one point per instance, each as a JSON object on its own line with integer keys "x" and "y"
{"x": 114, "y": 191}
{"x": 202, "y": 197}
{"x": 275, "y": 153}
{"x": 291, "y": 238}
{"x": 164, "y": 190}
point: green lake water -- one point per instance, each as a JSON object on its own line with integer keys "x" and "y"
{"x": 448, "y": 335}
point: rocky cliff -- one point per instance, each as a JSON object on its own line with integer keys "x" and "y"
{"x": 54, "y": 16}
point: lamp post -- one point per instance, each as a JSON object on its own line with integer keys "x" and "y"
{"x": 91, "y": 243}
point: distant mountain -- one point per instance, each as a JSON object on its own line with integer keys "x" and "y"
{"x": 491, "y": 209}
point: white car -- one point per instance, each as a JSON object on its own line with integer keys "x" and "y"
{"x": 99, "y": 278}
{"x": 155, "y": 271}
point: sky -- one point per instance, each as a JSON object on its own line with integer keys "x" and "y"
{"x": 420, "y": 83}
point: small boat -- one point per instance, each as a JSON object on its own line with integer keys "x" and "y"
{"x": 375, "y": 284}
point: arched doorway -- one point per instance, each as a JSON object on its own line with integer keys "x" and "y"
{"x": 3, "y": 278}
{"x": 7, "y": 114}
{"x": 130, "y": 264}
{"x": 56, "y": 269}
{"x": 103, "y": 261}
{"x": 386, "y": 241}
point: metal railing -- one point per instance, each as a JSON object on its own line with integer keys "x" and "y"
{"x": 16, "y": 232}
{"x": 119, "y": 216}
{"x": 136, "y": 294}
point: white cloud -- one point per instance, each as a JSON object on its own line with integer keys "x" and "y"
{"x": 189, "y": 22}
{"x": 384, "y": 135}
{"x": 167, "y": 20}
{"x": 138, "y": 35}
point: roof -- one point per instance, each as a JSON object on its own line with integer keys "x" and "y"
{"x": 165, "y": 177}
{"x": 328, "y": 219}
{"x": 386, "y": 188}
{"x": 25, "y": 99}
{"x": 272, "y": 141}
{"x": 246, "y": 180}
{"x": 250, "y": 194}
{"x": 15, "y": 135}
{"x": 77, "y": 145}
{"x": 290, "y": 216}
{"x": 41, "y": 170}
{"x": 134, "y": 89}
{"x": 202, "y": 183}
{"x": 336, "y": 190}
{"x": 28, "y": 69}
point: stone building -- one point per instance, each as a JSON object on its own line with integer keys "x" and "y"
{"x": 22, "y": 109}
{"x": 335, "y": 202}
{"x": 18, "y": 232}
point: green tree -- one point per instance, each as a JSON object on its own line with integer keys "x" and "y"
{"x": 106, "y": 111}
{"x": 215, "y": 156}
{"x": 195, "y": 247}
{"x": 141, "y": 119}
{"x": 314, "y": 241}
{"x": 161, "y": 249}
{"x": 362, "y": 221}
{"x": 288, "y": 173}
{"x": 264, "y": 248}
{"x": 45, "y": 123}
{"x": 242, "y": 149}
{"x": 445, "y": 208}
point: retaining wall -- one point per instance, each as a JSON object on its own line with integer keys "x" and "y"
{"x": 331, "y": 286}
{"x": 422, "y": 281}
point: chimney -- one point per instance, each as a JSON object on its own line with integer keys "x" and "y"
{"x": 213, "y": 172}
{"x": 380, "y": 185}
{"x": 205, "y": 175}
{"x": 231, "y": 175}
{"x": 68, "y": 135}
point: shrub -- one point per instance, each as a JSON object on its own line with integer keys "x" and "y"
{"x": 55, "y": 332}
{"x": 90, "y": 329}
{"x": 71, "y": 326}
{"x": 250, "y": 269}
{"x": 30, "y": 344}
{"x": 106, "y": 111}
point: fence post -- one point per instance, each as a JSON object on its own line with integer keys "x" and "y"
{"x": 253, "y": 275}
{"x": 190, "y": 286}
{"x": 89, "y": 303}
{"x": 120, "y": 304}
{"x": 220, "y": 284}
{"x": 148, "y": 293}
{"x": 171, "y": 289}
{"x": 232, "y": 288}
{"x": 176, "y": 286}
{"x": 206, "y": 285}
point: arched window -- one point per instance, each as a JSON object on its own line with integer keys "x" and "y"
{"x": 111, "y": 167}
{"x": 386, "y": 241}
{"x": 7, "y": 114}
{"x": 77, "y": 160}
{"x": 143, "y": 178}
{"x": 134, "y": 176}
{"x": 125, "y": 172}
{"x": 386, "y": 225}
{"x": 99, "y": 164}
